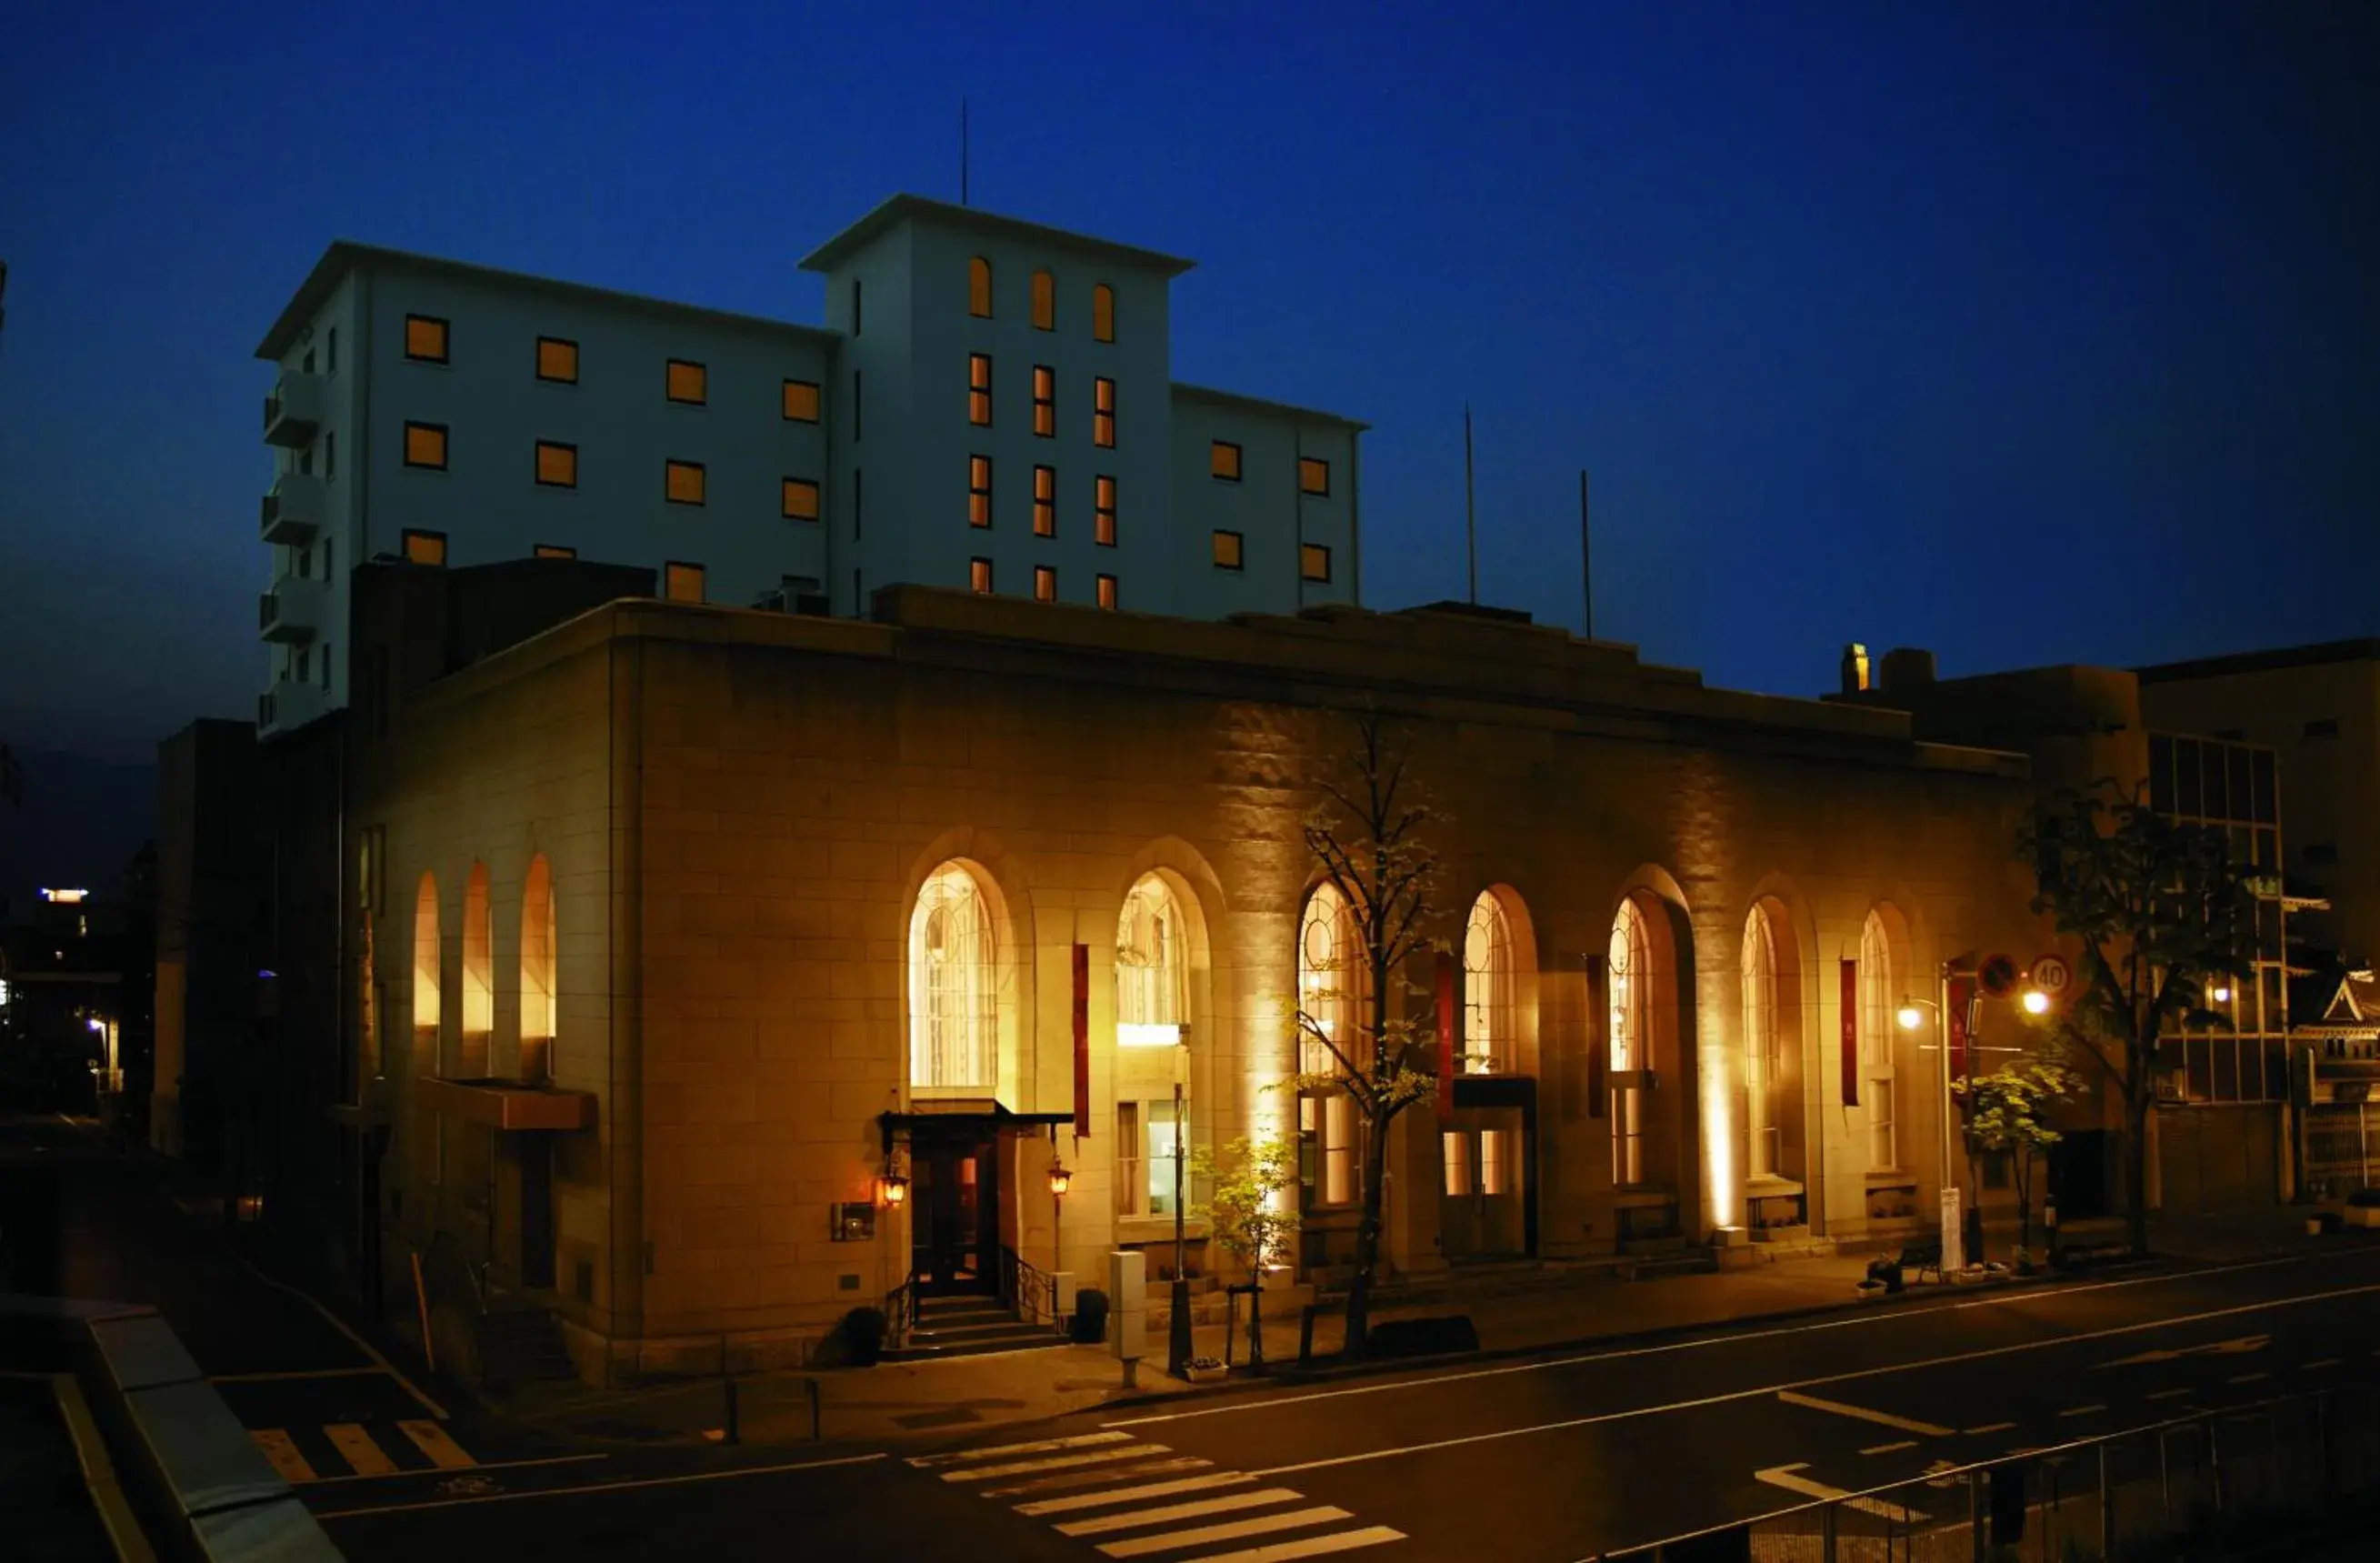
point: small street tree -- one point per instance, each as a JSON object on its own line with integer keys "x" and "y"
{"x": 2159, "y": 909}
{"x": 1366, "y": 836}
{"x": 1246, "y": 1214}
{"x": 2008, "y": 1112}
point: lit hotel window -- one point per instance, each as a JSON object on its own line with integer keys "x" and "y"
{"x": 979, "y": 288}
{"x": 1313, "y": 476}
{"x": 1045, "y": 401}
{"x": 801, "y": 499}
{"x": 801, "y": 401}
{"x": 979, "y": 389}
{"x": 1103, "y": 411}
{"x": 424, "y": 547}
{"x": 683, "y": 583}
{"x": 557, "y": 360}
{"x": 1107, "y": 591}
{"x": 1223, "y": 461}
{"x": 1227, "y": 550}
{"x": 1104, "y": 313}
{"x": 979, "y": 491}
{"x": 425, "y": 446}
{"x": 425, "y": 338}
{"x": 557, "y": 465}
{"x": 688, "y": 383}
{"x": 1103, "y": 512}
{"x": 1045, "y": 502}
{"x": 682, "y": 482}
{"x": 1313, "y": 561}
{"x": 1045, "y": 301}
{"x": 1045, "y": 583}
{"x": 980, "y": 576}
{"x": 554, "y": 551}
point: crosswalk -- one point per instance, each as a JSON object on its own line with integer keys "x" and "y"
{"x": 1132, "y": 1498}
{"x": 340, "y": 1450}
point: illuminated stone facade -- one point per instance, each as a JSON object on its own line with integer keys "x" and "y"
{"x": 737, "y": 812}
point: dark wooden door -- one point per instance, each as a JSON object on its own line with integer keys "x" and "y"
{"x": 955, "y": 1231}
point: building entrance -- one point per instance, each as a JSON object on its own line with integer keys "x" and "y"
{"x": 954, "y": 1231}
{"x": 1487, "y": 1207}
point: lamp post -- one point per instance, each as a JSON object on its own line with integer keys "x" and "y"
{"x": 1177, "y": 1333}
{"x": 1910, "y": 1015}
{"x": 1060, "y": 1179}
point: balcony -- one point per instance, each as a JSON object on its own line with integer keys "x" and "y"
{"x": 294, "y": 511}
{"x": 291, "y": 611}
{"x": 290, "y": 705}
{"x": 294, "y": 411}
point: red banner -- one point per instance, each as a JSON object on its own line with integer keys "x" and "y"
{"x": 1851, "y": 1033}
{"x": 1082, "y": 1040}
{"x": 1956, "y": 1020}
{"x": 1598, "y": 1093}
{"x": 1445, "y": 1038}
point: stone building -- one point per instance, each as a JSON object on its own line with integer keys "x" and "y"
{"x": 688, "y": 936}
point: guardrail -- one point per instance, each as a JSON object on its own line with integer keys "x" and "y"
{"x": 2104, "y": 1498}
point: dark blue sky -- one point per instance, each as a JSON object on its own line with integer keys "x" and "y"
{"x": 2027, "y": 335}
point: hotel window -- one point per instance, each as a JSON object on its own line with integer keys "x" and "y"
{"x": 854, "y": 306}
{"x": 1629, "y": 979}
{"x": 1227, "y": 550}
{"x": 1148, "y": 1148}
{"x": 1313, "y": 561}
{"x": 1330, "y": 977}
{"x": 1045, "y": 501}
{"x": 682, "y": 482}
{"x": 979, "y": 389}
{"x": 1106, "y": 591}
{"x": 1104, "y": 313}
{"x": 979, "y": 288}
{"x": 800, "y": 404}
{"x": 557, "y": 465}
{"x": 425, "y": 338}
{"x": 953, "y": 990}
{"x": 1223, "y": 461}
{"x": 1313, "y": 476}
{"x": 425, "y": 446}
{"x": 688, "y": 383}
{"x": 1045, "y": 401}
{"x": 331, "y": 347}
{"x": 1877, "y": 1002}
{"x": 1045, "y": 301}
{"x": 423, "y": 547}
{"x": 1764, "y": 1063}
{"x": 980, "y": 577}
{"x": 1103, "y": 412}
{"x": 1103, "y": 511}
{"x": 800, "y": 499}
{"x": 979, "y": 491}
{"x": 682, "y": 583}
{"x": 855, "y": 407}
{"x": 330, "y": 455}
{"x": 554, "y": 551}
{"x": 557, "y": 360}
{"x": 1045, "y": 583}
{"x": 1488, "y": 982}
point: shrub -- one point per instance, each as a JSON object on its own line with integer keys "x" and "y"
{"x": 1090, "y": 1316}
{"x": 863, "y": 1334}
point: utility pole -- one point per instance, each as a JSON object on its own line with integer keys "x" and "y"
{"x": 1470, "y": 514}
{"x": 1585, "y": 559}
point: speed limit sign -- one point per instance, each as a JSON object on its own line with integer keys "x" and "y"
{"x": 2050, "y": 975}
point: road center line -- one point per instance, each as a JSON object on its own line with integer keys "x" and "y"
{"x": 2082, "y": 1410}
{"x": 594, "y": 1487}
{"x": 1882, "y": 1419}
{"x": 1733, "y": 1395}
{"x": 1890, "y": 1448}
{"x": 2166, "y": 1394}
{"x": 1851, "y": 1321}
{"x": 2319, "y": 1362}
{"x": 1988, "y": 1427}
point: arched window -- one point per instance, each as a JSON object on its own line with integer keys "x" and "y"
{"x": 425, "y": 964}
{"x": 1149, "y": 1010}
{"x": 1762, "y": 1062}
{"x": 1488, "y": 984}
{"x": 979, "y": 288}
{"x": 539, "y": 1009}
{"x": 479, "y": 967}
{"x": 1330, "y": 985}
{"x": 1630, "y": 978}
{"x": 1045, "y": 301}
{"x": 954, "y": 1022}
{"x": 1103, "y": 313}
{"x": 1152, "y": 1011}
{"x": 1875, "y": 1007}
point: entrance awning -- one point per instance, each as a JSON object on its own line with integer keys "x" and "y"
{"x": 983, "y": 1115}
{"x": 507, "y": 1104}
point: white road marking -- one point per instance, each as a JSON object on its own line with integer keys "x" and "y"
{"x": 1105, "y": 1473}
{"x": 1882, "y": 1419}
{"x": 1037, "y": 1447}
{"x": 483, "y": 1467}
{"x": 1732, "y": 1396}
{"x": 1988, "y": 1427}
{"x": 2319, "y": 1362}
{"x": 1782, "y": 1476}
{"x": 1890, "y": 1448}
{"x": 2247, "y": 1377}
{"x": 1055, "y": 1462}
{"x": 2212, "y": 1348}
{"x": 356, "y": 1447}
{"x": 2082, "y": 1410}
{"x": 594, "y": 1487}
{"x": 432, "y": 1440}
{"x": 1855, "y": 1321}
{"x": 1134, "y": 1494}
{"x": 1172, "y": 1540}
{"x": 277, "y": 1447}
{"x": 1197, "y": 1509}
{"x": 361, "y": 1344}
{"x": 365, "y": 1371}
{"x": 2166, "y": 1394}
{"x": 1308, "y": 1546}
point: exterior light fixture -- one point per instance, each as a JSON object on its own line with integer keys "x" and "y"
{"x": 2036, "y": 1002}
{"x": 1909, "y": 1015}
{"x": 1059, "y": 1178}
{"x": 2221, "y": 993}
{"x": 95, "y": 1023}
{"x": 893, "y": 1187}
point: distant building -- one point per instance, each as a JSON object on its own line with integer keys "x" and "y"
{"x": 988, "y": 406}
{"x": 213, "y": 934}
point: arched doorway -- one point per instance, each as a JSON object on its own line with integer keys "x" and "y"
{"x": 1769, "y": 969}
{"x": 954, "y": 1058}
{"x": 1152, "y": 1058}
{"x": 1487, "y": 1203}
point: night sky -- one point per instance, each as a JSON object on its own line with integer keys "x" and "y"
{"x": 2027, "y": 337}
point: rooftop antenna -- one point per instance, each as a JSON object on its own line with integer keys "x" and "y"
{"x": 1470, "y": 514}
{"x": 962, "y": 152}
{"x": 1586, "y": 557}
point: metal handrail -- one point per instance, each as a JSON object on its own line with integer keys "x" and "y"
{"x": 901, "y": 1311}
{"x": 1031, "y": 1291}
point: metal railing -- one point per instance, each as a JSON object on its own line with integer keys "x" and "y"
{"x": 1031, "y": 1293}
{"x": 2123, "y": 1496}
{"x": 901, "y": 1311}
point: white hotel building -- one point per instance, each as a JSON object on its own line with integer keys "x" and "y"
{"x": 988, "y": 404}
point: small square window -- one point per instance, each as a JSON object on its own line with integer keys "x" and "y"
{"x": 979, "y": 389}
{"x": 801, "y": 499}
{"x": 1103, "y": 511}
{"x": 554, "y": 551}
{"x": 423, "y": 547}
{"x": 1045, "y": 583}
{"x": 1227, "y": 550}
{"x": 1223, "y": 461}
{"x": 1103, "y": 412}
{"x": 557, "y": 465}
{"x": 682, "y": 482}
{"x": 425, "y": 446}
{"x": 425, "y": 338}
{"x": 979, "y": 491}
{"x": 557, "y": 360}
{"x": 1045, "y": 401}
{"x": 1313, "y": 476}
{"x": 801, "y": 401}
{"x": 1045, "y": 502}
{"x": 688, "y": 383}
{"x": 980, "y": 576}
{"x": 1107, "y": 591}
{"x": 1313, "y": 561}
{"x": 682, "y": 583}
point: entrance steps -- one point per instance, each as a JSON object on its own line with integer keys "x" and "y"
{"x": 517, "y": 1343}
{"x": 968, "y": 1326}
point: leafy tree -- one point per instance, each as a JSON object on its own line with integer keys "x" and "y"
{"x": 1366, "y": 836}
{"x": 1246, "y": 1213}
{"x": 2159, "y": 909}
{"x": 2008, "y": 1112}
